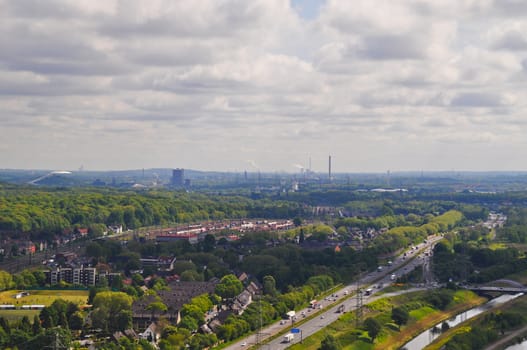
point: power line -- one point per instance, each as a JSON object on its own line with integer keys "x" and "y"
{"x": 57, "y": 344}
{"x": 359, "y": 307}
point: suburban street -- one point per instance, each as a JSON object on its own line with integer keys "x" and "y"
{"x": 345, "y": 296}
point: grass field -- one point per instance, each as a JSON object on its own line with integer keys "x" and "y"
{"x": 44, "y": 297}
{"x": 15, "y": 315}
{"x": 38, "y": 297}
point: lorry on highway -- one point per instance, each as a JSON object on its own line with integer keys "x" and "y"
{"x": 289, "y": 337}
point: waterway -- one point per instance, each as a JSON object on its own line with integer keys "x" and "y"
{"x": 522, "y": 346}
{"x": 430, "y": 335}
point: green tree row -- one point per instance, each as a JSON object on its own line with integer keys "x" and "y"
{"x": 53, "y": 210}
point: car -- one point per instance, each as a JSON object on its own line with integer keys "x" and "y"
{"x": 322, "y": 317}
{"x": 244, "y": 343}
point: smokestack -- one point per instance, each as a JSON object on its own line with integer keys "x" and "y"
{"x": 329, "y": 170}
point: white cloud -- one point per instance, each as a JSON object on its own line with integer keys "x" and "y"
{"x": 210, "y": 84}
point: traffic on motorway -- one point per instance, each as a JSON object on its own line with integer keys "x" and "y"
{"x": 329, "y": 309}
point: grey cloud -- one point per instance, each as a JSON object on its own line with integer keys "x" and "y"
{"x": 199, "y": 86}
{"x": 40, "y": 9}
{"x": 22, "y": 40}
{"x": 57, "y": 86}
{"x": 66, "y": 67}
{"x": 510, "y": 8}
{"x": 7, "y": 121}
{"x": 176, "y": 82}
{"x": 168, "y": 54}
{"x": 215, "y": 20}
{"x": 513, "y": 41}
{"x": 477, "y": 99}
{"x": 438, "y": 122}
{"x": 392, "y": 47}
{"x": 51, "y": 53}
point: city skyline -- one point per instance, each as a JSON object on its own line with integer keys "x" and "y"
{"x": 269, "y": 85}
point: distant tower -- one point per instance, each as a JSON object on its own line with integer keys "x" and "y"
{"x": 329, "y": 169}
{"x": 178, "y": 177}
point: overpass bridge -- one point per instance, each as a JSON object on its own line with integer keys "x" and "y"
{"x": 512, "y": 290}
{"x": 510, "y": 286}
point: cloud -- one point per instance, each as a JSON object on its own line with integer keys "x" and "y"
{"x": 392, "y": 47}
{"x": 209, "y": 84}
{"x": 478, "y": 100}
{"x": 514, "y": 41}
{"x": 509, "y": 8}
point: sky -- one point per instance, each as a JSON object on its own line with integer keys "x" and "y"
{"x": 268, "y": 85}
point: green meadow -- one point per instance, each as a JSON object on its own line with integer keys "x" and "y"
{"x": 37, "y": 297}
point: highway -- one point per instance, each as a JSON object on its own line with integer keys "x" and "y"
{"x": 345, "y": 296}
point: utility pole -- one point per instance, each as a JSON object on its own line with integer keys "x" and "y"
{"x": 359, "y": 304}
{"x": 57, "y": 344}
{"x": 258, "y": 334}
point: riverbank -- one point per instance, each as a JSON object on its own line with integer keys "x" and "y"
{"x": 397, "y": 340}
{"x": 505, "y": 322}
{"x": 508, "y": 340}
{"x": 422, "y": 316}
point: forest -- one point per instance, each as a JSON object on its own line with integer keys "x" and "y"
{"x": 39, "y": 211}
{"x": 48, "y": 211}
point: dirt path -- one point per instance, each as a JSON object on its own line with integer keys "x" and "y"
{"x": 500, "y": 343}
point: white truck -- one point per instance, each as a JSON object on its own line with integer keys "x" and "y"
{"x": 289, "y": 337}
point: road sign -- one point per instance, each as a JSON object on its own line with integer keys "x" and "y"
{"x": 295, "y": 330}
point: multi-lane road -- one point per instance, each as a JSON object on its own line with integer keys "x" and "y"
{"x": 320, "y": 318}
